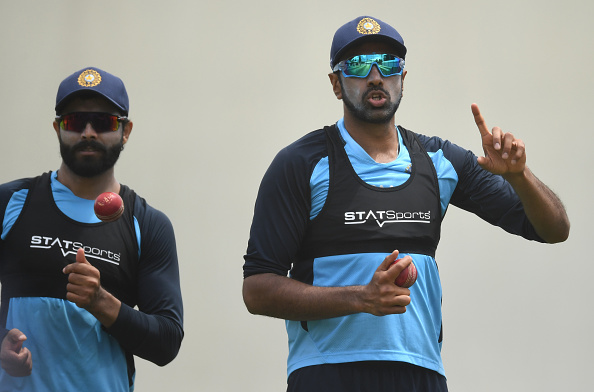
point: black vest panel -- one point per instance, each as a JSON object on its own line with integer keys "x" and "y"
{"x": 361, "y": 218}
{"x": 44, "y": 240}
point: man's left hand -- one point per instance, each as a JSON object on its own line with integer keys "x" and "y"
{"x": 504, "y": 153}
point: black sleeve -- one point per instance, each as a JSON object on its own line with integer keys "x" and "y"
{"x": 482, "y": 193}
{"x": 154, "y": 331}
{"x": 6, "y": 192}
{"x": 282, "y": 207}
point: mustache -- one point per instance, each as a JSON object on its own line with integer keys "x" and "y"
{"x": 89, "y": 144}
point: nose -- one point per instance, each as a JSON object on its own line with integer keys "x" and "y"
{"x": 89, "y": 132}
{"x": 375, "y": 77}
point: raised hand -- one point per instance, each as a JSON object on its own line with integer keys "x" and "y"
{"x": 15, "y": 359}
{"x": 504, "y": 154}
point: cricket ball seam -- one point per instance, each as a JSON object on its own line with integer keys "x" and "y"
{"x": 104, "y": 205}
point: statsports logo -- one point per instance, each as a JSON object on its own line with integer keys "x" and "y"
{"x": 70, "y": 248}
{"x": 387, "y": 216}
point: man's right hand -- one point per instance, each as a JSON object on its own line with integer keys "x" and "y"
{"x": 382, "y": 296}
{"x": 282, "y": 297}
{"x": 15, "y": 359}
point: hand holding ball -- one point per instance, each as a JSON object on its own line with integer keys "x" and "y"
{"x": 109, "y": 206}
{"x": 407, "y": 277}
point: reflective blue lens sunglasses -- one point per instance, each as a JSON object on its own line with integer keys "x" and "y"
{"x": 360, "y": 66}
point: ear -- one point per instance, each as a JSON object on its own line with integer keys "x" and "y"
{"x": 56, "y": 128}
{"x": 127, "y": 131}
{"x": 402, "y": 77}
{"x": 335, "y": 85}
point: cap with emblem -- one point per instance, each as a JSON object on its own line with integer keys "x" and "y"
{"x": 364, "y": 28}
{"x": 96, "y": 80}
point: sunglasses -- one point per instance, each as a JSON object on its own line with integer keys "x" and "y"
{"x": 360, "y": 66}
{"x": 101, "y": 122}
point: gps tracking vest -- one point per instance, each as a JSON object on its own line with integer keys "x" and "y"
{"x": 360, "y": 218}
{"x": 44, "y": 240}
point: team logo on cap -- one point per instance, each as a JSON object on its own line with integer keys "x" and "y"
{"x": 89, "y": 78}
{"x": 368, "y": 26}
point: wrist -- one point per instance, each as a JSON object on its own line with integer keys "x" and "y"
{"x": 363, "y": 302}
{"x": 517, "y": 177}
{"x": 105, "y": 308}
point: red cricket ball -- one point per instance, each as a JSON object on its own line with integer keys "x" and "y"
{"x": 407, "y": 277}
{"x": 109, "y": 206}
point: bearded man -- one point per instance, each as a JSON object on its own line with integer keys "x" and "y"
{"x": 82, "y": 297}
{"x": 338, "y": 207}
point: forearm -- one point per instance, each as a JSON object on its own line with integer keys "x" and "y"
{"x": 543, "y": 208}
{"x": 154, "y": 337}
{"x": 285, "y": 298}
{"x": 105, "y": 308}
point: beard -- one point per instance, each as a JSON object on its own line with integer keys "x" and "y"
{"x": 90, "y": 166}
{"x": 367, "y": 113}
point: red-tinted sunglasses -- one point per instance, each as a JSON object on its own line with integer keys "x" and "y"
{"x": 101, "y": 122}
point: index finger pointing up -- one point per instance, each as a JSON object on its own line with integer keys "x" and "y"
{"x": 479, "y": 120}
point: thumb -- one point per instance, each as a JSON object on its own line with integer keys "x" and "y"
{"x": 483, "y": 162}
{"x": 80, "y": 256}
{"x": 15, "y": 339}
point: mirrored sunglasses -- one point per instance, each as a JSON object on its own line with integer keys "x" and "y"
{"x": 101, "y": 122}
{"x": 360, "y": 66}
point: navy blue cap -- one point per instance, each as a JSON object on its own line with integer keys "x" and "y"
{"x": 361, "y": 28}
{"x": 96, "y": 80}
